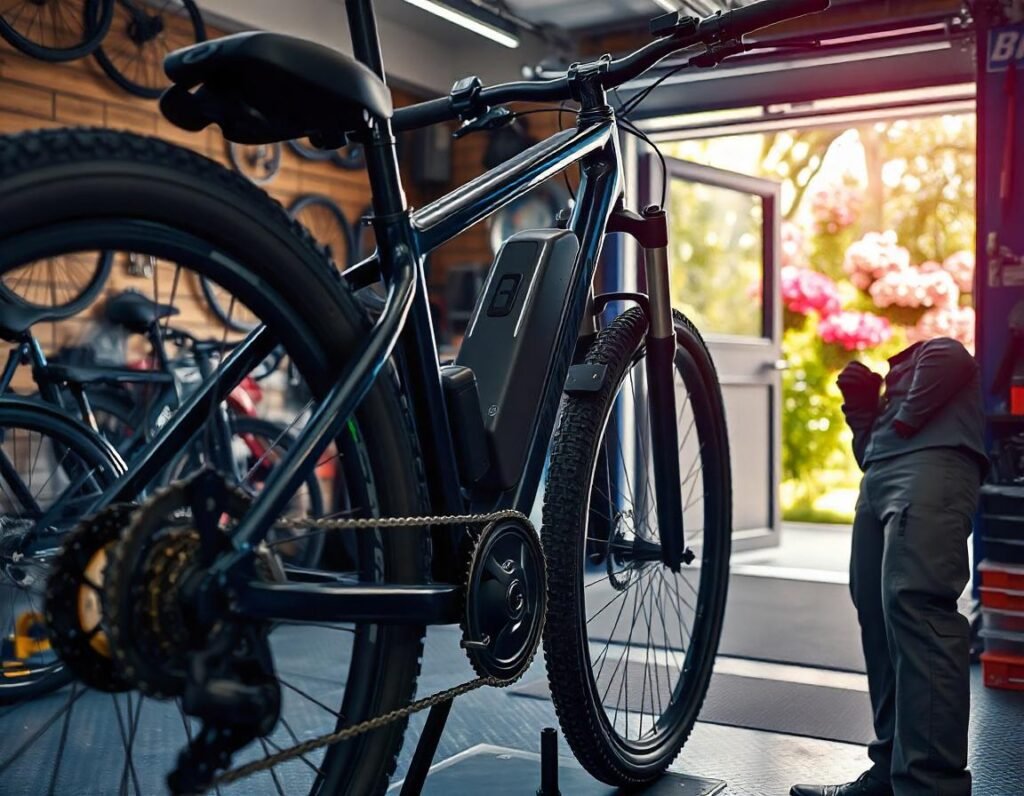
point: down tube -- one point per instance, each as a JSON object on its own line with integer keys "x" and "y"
{"x": 600, "y": 187}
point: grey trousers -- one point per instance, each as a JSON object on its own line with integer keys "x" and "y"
{"x": 908, "y": 567}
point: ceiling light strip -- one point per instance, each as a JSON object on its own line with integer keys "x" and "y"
{"x": 467, "y": 21}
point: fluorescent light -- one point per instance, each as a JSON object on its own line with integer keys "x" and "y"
{"x": 468, "y": 22}
{"x": 667, "y": 5}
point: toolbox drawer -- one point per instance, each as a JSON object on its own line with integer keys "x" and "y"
{"x": 1002, "y": 671}
{"x": 1003, "y": 642}
{"x": 1002, "y": 621}
{"x": 1006, "y": 599}
{"x": 1001, "y": 576}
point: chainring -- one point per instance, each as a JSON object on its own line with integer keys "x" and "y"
{"x": 505, "y": 600}
{"x": 152, "y": 633}
{"x": 75, "y": 615}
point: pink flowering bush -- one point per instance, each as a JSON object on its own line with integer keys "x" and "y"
{"x": 836, "y": 207}
{"x": 961, "y": 267}
{"x": 804, "y": 291}
{"x": 794, "y": 245}
{"x": 926, "y": 286}
{"x": 854, "y": 331}
{"x": 873, "y": 256}
{"x": 955, "y": 322}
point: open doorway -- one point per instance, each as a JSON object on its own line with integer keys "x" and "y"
{"x": 877, "y": 215}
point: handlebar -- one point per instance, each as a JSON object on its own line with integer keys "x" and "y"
{"x": 721, "y": 27}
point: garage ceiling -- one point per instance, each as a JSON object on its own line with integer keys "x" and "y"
{"x": 576, "y": 15}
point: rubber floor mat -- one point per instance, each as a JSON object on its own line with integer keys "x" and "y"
{"x": 814, "y": 711}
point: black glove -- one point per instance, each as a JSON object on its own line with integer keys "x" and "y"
{"x": 859, "y": 385}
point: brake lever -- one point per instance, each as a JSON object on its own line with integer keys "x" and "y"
{"x": 492, "y": 119}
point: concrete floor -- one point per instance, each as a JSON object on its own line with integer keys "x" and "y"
{"x": 752, "y": 762}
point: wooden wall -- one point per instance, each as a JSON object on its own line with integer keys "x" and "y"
{"x": 35, "y": 94}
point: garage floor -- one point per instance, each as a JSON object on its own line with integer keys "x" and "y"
{"x": 798, "y": 714}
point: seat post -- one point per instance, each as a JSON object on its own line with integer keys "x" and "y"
{"x": 390, "y": 216}
{"x": 362, "y": 23}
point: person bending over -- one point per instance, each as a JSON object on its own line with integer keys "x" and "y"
{"x": 921, "y": 447}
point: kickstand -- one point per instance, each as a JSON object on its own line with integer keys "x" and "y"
{"x": 425, "y": 748}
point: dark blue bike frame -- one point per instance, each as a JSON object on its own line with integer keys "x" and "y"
{"x": 404, "y": 331}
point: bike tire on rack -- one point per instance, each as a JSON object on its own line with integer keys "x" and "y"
{"x": 213, "y": 294}
{"x": 78, "y": 45}
{"x": 40, "y": 284}
{"x": 148, "y": 82}
{"x": 585, "y": 503}
{"x": 72, "y": 442}
{"x": 222, "y": 227}
{"x": 327, "y": 224}
{"x": 351, "y": 157}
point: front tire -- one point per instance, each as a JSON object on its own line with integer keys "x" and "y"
{"x": 599, "y": 519}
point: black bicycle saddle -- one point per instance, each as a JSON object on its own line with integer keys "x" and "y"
{"x": 135, "y": 312}
{"x": 17, "y": 319}
{"x": 266, "y": 87}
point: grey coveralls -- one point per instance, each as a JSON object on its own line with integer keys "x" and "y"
{"x": 909, "y": 562}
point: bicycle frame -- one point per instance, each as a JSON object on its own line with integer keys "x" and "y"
{"x": 404, "y": 329}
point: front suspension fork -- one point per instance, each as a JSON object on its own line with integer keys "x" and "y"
{"x": 661, "y": 387}
{"x": 651, "y": 231}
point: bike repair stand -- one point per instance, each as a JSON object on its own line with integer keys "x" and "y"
{"x": 501, "y": 771}
{"x": 426, "y": 748}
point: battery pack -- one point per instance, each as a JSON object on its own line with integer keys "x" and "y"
{"x": 510, "y": 341}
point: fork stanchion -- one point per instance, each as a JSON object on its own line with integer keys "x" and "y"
{"x": 425, "y": 748}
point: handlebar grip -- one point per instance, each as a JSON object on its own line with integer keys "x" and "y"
{"x": 423, "y": 114}
{"x": 755, "y": 16}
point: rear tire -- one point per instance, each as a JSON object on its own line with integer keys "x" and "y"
{"x": 64, "y": 189}
{"x": 575, "y": 497}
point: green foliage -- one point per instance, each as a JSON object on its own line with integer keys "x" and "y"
{"x": 813, "y": 427}
{"x": 716, "y": 258}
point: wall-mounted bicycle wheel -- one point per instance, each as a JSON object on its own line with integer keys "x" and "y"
{"x": 328, "y": 226}
{"x": 257, "y": 162}
{"x": 351, "y": 156}
{"x": 56, "y": 30}
{"x": 68, "y": 283}
{"x": 227, "y": 310}
{"x": 140, "y": 35}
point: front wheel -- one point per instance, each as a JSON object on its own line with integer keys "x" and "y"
{"x": 630, "y": 644}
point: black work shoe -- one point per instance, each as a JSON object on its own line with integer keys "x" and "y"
{"x": 864, "y": 785}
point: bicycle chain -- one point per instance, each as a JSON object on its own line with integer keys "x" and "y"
{"x": 369, "y": 725}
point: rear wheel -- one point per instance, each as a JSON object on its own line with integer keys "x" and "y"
{"x": 629, "y": 644}
{"x": 68, "y": 191}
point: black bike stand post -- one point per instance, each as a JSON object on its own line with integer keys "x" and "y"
{"x": 425, "y": 748}
{"x": 548, "y": 763}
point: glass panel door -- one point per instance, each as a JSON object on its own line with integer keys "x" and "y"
{"x": 723, "y": 246}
